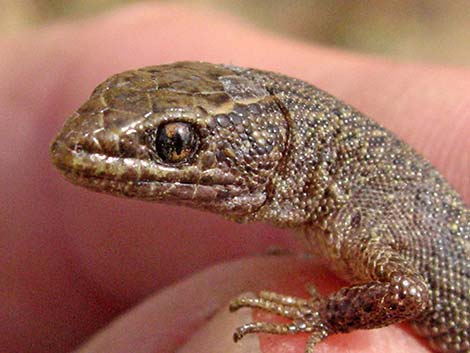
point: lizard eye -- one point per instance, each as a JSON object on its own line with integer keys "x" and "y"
{"x": 175, "y": 142}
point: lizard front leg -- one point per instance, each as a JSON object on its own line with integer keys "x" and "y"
{"x": 391, "y": 292}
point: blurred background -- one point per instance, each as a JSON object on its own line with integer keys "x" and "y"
{"x": 432, "y": 30}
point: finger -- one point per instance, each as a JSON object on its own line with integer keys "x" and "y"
{"x": 100, "y": 255}
{"x": 193, "y": 316}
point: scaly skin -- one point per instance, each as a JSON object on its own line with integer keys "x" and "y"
{"x": 258, "y": 146}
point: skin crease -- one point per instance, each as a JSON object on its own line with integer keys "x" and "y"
{"x": 72, "y": 260}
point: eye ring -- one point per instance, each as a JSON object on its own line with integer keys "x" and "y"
{"x": 175, "y": 142}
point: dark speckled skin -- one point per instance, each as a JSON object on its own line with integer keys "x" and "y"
{"x": 262, "y": 146}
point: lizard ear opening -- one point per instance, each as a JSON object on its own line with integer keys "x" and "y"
{"x": 174, "y": 142}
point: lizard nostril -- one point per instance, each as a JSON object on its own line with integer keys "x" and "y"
{"x": 78, "y": 148}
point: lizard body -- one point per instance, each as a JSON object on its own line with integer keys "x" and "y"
{"x": 253, "y": 145}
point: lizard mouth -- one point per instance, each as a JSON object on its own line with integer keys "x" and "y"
{"x": 142, "y": 178}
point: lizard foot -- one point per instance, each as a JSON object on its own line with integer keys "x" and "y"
{"x": 303, "y": 312}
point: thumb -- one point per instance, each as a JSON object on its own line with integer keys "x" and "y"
{"x": 193, "y": 316}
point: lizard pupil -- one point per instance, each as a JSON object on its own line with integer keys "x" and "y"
{"x": 175, "y": 142}
{"x": 179, "y": 144}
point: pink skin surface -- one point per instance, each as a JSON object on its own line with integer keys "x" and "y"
{"x": 72, "y": 260}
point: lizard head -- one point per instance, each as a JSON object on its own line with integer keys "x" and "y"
{"x": 195, "y": 134}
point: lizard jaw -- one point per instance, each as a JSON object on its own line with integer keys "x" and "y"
{"x": 144, "y": 179}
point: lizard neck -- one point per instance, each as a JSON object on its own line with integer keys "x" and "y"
{"x": 328, "y": 153}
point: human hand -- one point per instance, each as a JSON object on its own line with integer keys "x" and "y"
{"x": 71, "y": 260}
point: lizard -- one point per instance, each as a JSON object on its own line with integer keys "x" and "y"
{"x": 254, "y": 145}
